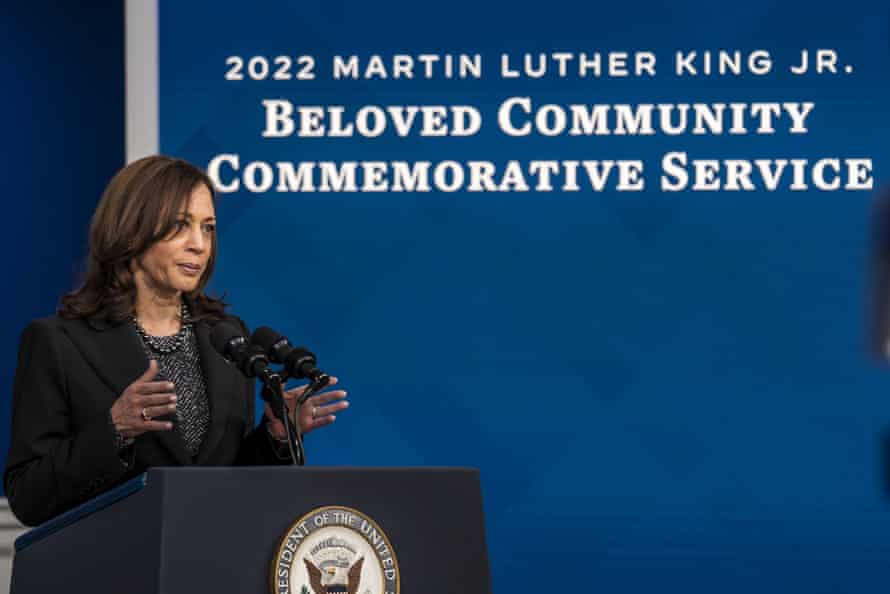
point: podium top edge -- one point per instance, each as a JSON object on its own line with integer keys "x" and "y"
{"x": 319, "y": 469}
{"x": 75, "y": 514}
{"x": 110, "y": 497}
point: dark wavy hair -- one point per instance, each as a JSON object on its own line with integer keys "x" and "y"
{"x": 138, "y": 208}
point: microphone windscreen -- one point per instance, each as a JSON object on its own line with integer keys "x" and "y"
{"x": 221, "y": 334}
{"x": 265, "y": 338}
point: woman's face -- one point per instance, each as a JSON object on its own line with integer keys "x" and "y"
{"x": 176, "y": 263}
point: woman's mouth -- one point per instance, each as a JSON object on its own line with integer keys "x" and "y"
{"x": 190, "y": 269}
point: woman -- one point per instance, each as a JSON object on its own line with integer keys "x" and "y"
{"x": 124, "y": 377}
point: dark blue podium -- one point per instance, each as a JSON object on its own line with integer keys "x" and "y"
{"x": 230, "y": 530}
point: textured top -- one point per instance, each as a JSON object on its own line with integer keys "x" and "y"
{"x": 179, "y": 362}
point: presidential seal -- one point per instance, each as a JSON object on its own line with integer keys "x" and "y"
{"x": 335, "y": 550}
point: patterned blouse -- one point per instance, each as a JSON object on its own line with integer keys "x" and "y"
{"x": 179, "y": 362}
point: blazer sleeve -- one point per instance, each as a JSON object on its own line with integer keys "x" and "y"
{"x": 52, "y": 464}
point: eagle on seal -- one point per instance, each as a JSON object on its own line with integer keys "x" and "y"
{"x": 329, "y": 584}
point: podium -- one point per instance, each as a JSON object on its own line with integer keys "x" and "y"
{"x": 290, "y": 530}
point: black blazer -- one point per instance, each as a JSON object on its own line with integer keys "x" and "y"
{"x": 62, "y": 449}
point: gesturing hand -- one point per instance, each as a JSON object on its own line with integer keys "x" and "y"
{"x": 316, "y": 412}
{"x": 143, "y": 400}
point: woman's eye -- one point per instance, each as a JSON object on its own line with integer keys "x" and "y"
{"x": 209, "y": 228}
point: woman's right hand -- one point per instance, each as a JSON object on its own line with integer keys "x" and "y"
{"x": 134, "y": 412}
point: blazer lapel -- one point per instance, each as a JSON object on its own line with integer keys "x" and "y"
{"x": 116, "y": 354}
{"x": 114, "y": 351}
{"x": 224, "y": 389}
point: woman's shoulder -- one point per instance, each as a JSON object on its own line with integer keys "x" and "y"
{"x": 47, "y": 332}
{"x": 229, "y": 319}
{"x": 226, "y": 317}
{"x": 48, "y": 325}
{"x": 61, "y": 329}
{"x": 57, "y": 323}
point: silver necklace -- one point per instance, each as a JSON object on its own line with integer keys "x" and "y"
{"x": 167, "y": 344}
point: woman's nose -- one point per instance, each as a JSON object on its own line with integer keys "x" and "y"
{"x": 196, "y": 240}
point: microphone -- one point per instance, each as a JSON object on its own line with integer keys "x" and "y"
{"x": 250, "y": 359}
{"x": 298, "y": 361}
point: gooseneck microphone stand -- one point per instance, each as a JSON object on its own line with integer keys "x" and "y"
{"x": 273, "y": 393}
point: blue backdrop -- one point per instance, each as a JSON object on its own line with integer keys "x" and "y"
{"x": 62, "y": 116}
{"x": 662, "y": 391}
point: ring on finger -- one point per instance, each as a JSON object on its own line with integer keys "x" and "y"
{"x": 314, "y": 412}
{"x": 145, "y": 416}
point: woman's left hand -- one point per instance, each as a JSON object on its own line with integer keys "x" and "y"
{"x": 318, "y": 410}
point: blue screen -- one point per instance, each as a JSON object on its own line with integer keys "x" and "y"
{"x": 662, "y": 389}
